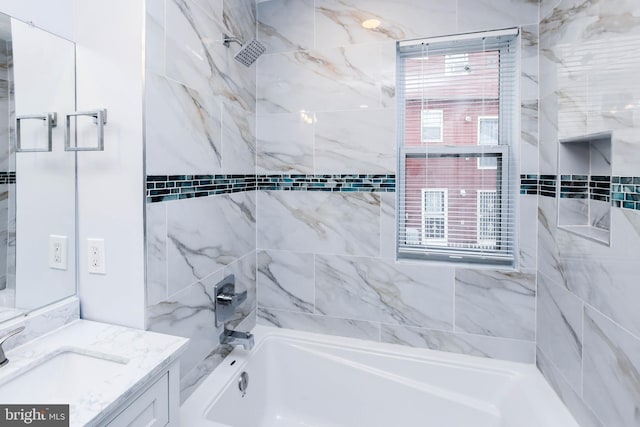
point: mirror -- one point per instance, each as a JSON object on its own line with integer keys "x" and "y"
{"x": 37, "y": 177}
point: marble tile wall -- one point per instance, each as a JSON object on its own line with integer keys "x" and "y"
{"x": 588, "y": 325}
{"x": 199, "y": 121}
{"x": 326, "y": 104}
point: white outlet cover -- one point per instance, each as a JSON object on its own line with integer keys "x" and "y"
{"x": 95, "y": 256}
{"x": 58, "y": 252}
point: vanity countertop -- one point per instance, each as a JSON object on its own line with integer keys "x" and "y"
{"x": 143, "y": 354}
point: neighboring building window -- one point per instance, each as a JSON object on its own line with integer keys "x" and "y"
{"x": 457, "y": 189}
{"x": 431, "y": 125}
{"x": 434, "y": 216}
{"x": 487, "y": 135}
{"x": 488, "y": 222}
{"x": 456, "y": 64}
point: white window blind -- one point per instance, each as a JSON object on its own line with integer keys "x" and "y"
{"x": 457, "y": 176}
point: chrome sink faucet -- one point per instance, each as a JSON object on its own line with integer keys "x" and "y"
{"x": 226, "y": 302}
{"x": 3, "y": 358}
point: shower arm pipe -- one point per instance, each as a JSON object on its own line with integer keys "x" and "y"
{"x": 228, "y": 39}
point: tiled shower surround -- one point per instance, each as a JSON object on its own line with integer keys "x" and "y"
{"x": 588, "y": 322}
{"x": 282, "y": 173}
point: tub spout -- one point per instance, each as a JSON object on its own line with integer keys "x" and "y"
{"x": 231, "y": 337}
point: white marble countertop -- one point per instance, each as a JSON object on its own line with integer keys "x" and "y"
{"x": 147, "y": 354}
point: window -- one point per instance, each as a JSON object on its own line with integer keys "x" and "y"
{"x": 431, "y": 125}
{"x": 487, "y": 135}
{"x": 488, "y": 224}
{"x": 456, "y": 189}
{"x": 434, "y": 215}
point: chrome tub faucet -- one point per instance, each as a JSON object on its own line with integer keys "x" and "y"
{"x": 226, "y": 302}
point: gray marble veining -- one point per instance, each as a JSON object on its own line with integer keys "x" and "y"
{"x": 559, "y": 329}
{"x": 380, "y": 290}
{"x": 611, "y": 371}
{"x": 320, "y": 222}
{"x": 278, "y": 32}
{"x": 286, "y": 281}
{"x": 285, "y": 143}
{"x": 319, "y": 324}
{"x": 495, "y": 303}
{"x": 205, "y": 234}
{"x": 580, "y": 411}
{"x": 183, "y": 129}
{"x": 474, "y": 345}
{"x": 355, "y": 142}
{"x": 238, "y": 140}
{"x": 156, "y": 284}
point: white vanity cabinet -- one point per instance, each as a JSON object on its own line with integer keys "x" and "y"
{"x": 157, "y": 404}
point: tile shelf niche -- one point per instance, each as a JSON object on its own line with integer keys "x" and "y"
{"x": 584, "y": 205}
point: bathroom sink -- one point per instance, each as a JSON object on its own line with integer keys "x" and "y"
{"x": 64, "y": 377}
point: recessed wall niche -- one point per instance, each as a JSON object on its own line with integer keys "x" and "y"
{"x": 584, "y": 205}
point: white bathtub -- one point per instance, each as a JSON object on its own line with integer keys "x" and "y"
{"x": 302, "y": 379}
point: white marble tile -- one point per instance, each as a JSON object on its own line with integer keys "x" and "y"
{"x": 206, "y": 234}
{"x": 192, "y": 379}
{"x": 190, "y": 314}
{"x": 154, "y": 36}
{"x": 495, "y": 303}
{"x": 239, "y": 18}
{"x": 548, "y": 255}
{"x": 191, "y": 35}
{"x": 474, "y": 345}
{"x": 626, "y": 155}
{"x": 547, "y": 6}
{"x": 529, "y": 63}
{"x": 319, "y": 222}
{"x": 607, "y": 277}
{"x": 286, "y": 25}
{"x": 183, "y": 129}
{"x": 529, "y": 142}
{"x": 212, "y": 8}
{"x": 156, "y": 223}
{"x": 285, "y": 143}
{"x": 600, "y": 214}
{"x": 573, "y": 401}
{"x": 573, "y": 212}
{"x": 380, "y": 290}
{"x": 286, "y": 281}
{"x": 528, "y": 233}
{"x": 548, "y": 141}
{"x": 388, "y": 225}
{"x": 238, "y": 140}
{"x": 355, "y": 142}
{"x": 477, "y": 15}
{"x": 319, "y": 324}
{"x": 339, "y": 22}
{"x": 611, "y": 370}
{"x": 559, "y": 329}
{"x": 322, "y": 80}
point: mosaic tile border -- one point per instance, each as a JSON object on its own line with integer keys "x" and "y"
{"x": 620, "y": 191}
{"x": 543, "y": 185}
{"x": 163, "y": 188}
{"x": 7, "y": 177}
{"x": 335, "y": 183}
{"x": 625, "y": 192}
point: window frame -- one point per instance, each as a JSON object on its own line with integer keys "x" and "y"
{"x": 505, "y": 253}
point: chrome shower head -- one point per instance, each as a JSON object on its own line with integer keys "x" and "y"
{"x": 248, "y": 53}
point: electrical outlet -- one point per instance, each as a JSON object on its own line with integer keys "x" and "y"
{"x": 95, "y": 255}
{"x": 58, "y": 252}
